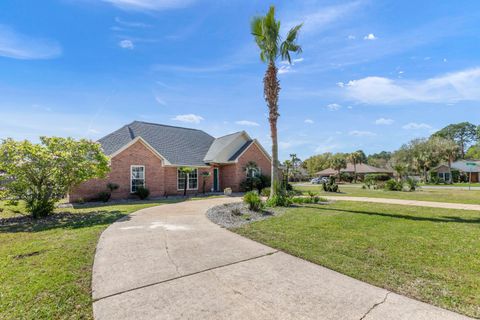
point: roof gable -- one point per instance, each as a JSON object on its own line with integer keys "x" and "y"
{"x": 179, "y": 146}
{"x": 223, "y": 148}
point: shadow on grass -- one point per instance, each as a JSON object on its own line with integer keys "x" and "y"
{"x": 403, "y": 216}
{"x": 60, "y": 220}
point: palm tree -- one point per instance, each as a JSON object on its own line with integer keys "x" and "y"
{"x": 354, "y": 157}
{"x": 185, "y": 171}
{"x": 266, "y": 31}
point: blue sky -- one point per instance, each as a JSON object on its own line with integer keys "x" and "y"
{"x": 373, "y": 74}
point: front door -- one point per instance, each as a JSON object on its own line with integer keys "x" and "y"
{"x": 216, "y": 186}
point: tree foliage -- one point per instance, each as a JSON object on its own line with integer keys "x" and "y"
{"x": 463, "y": 133}
{"x": 338, "y": 162}
{"x": 41, "y": 174}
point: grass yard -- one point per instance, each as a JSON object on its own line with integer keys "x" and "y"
{"x": 45, "y": 265}
{"x": 429, "y": 254}
{"x": 437, "y": 195}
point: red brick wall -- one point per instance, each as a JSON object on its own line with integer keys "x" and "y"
{"x": 233, "y": 174}
{"x": 162, "y": 180}
{"x": 171, "y": 181}
{"x": 136, "y": 154}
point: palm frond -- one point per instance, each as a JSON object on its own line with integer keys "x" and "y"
{"x": 290, "y": 45}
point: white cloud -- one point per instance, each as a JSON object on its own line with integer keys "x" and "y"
{"x": 284, "y": 69}
{"x": 370, "y": 36}
{"x": 416, "y": 126}
{"x": 314, "y": 21}
{"x": 247, "y": 123}
{"x": 384, "y": 121}
{"x": 333, "y": 106}
{"x": 351, "y": 37}
{"x": 149, "y": 5}
{"x": 126, "y": 44}
{"x": 19, "y": 46}
{"x": 190, "y": 118}
{"x": 449, "y": 88}
{"x": 309, "y": 121}
{"x": 340, "y": 84}
{"x": 358, "y": 133}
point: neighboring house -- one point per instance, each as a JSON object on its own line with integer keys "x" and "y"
{"x": 149, "y": 155}
{"x": 443, "y": 172}
{"x": 361, "y": 168}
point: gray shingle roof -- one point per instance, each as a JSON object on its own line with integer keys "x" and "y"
{"x": 220, "y": 143}
{"x": 180, "y": 146}
{"x": 239, "y": 152}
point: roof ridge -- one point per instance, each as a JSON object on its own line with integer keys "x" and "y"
{"x": 167, "y": 125}
{"x": 112, "y": 133}
{"x": 231, "y": 134}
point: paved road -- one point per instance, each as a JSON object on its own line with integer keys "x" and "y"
{"x": 431, "y": 204}
{"x": 171, "y": 262}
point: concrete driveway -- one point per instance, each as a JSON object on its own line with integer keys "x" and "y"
{"x": 171, "y": 262}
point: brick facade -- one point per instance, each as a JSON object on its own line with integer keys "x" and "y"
{"x": 162, "y": 180}
{"x": 232, "y": 175}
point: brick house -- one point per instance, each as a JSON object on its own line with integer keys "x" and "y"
{"x": 149, "y": 155}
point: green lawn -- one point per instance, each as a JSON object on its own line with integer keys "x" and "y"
{"x": 437, "y": 195}
{"x": 458, "y": 184}
{"x": 429, "y": 254}
{"x": 45, "y": 265}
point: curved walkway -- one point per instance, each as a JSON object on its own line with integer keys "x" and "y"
{"x": 431, "y": 204}
{"x": 171, "y": 262}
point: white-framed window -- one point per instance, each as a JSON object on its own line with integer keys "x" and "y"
{"x": 445, "y": 176}
{"x": 137, "y": 178}
{"x": 253, "y": 172}
{"x": 190, "y": 179}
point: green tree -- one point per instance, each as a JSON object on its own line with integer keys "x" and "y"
{"x": 317, "y": 163}
{"x": 355, "y": 157}
{"x": 445, "y": 150}
{"x": 338, "y": 162}
{"x": 380, "y": 159}
{"x": 362, "y": 157}
{"x": 266, "y": 31}
{"x": 473, "y": 152}
{"x": 41, "y": 174}
{"x": 184, "y": 172}
{"x": 463, "y": 133}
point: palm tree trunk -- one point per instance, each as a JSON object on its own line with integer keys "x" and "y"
{"x": 354, "y": 172}
{"x": 450, "y": 180}
{"x": 271, "y": 90}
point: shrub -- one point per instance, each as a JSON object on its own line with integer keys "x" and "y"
{"x": 347, "y": 177}
{"x": 142, "y": 193}
{"x": 279, "y": 200}
{"x": 236, "y": 212}
{"x": 112, "y": 186}
{"x": 255, "y": 183}
{"x": 252, "y": 199}
{"x": 412, "y": 184}
{"x": 330, "y": 186}
{"x": 265, "y": 192}
{"x": 104, "y": 196}
{"x": 44, "y": 172}
{"x": 393, "y": 185}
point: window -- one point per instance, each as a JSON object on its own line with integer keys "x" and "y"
{"x": 444, "y": 176}
{"x": 137, "y": 179}
{"x": 190, "y": 179}
{"x": 253, "y": 172}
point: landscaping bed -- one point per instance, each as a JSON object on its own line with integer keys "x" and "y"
{"x": 234, "y": 215}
